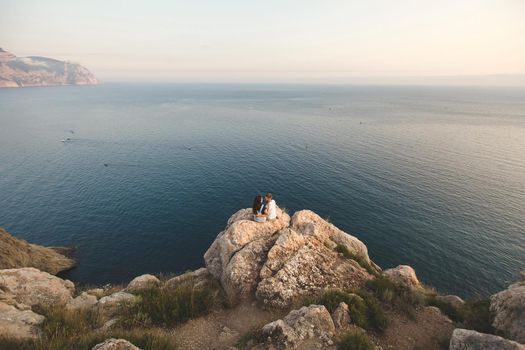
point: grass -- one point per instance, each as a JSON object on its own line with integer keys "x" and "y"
{"x": 355, "y": 341}
{"x": 79, "y": 330}
{"x": 358, "y": 258}
{"x": 364, "y": 309}
{"x": 167, "y": 307}
{"x": 396, "y": 296}
{"x": 473, "y": 314}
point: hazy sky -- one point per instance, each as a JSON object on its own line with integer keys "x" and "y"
{"x": 271, "y": 40}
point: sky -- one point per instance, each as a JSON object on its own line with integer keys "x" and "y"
{"x": 275, "y": 40}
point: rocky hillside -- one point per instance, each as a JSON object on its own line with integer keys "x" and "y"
{"x": 41, "y": 71}
{"x": 15, "y": 253}
{"x": 297, "y": 282}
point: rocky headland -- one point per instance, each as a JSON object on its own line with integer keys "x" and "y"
{"x": 41, "y": 71}
{"x": 297, "y": 282}
{"x": 16, "y": 253}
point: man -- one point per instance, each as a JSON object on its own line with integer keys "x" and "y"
{"x": 270, "y": 207}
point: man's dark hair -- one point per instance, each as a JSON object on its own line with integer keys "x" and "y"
{"x": 269, "y": 195}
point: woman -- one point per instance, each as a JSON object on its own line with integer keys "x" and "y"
{"x": 258, "y": 214}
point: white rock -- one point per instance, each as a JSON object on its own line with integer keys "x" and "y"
{"x": 32, "y": 287}
{"x": 141, "y": 283}
{"x": 464, "y": 339}
{"x": 115, "y": 344}
{"x": 508, "y": 307}
{"x": 308, "y": 322}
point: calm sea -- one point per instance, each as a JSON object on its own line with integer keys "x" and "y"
{"x": 433, "y": 177}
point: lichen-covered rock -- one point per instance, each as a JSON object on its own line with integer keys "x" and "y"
{"x": 309, "y": 223}
{"x": 237, "y": 254}
{"x": 115, "y": 344}
{"x": 19, "y": 324}
{"x": 453, "y": 300}
{"x": 308, "y": 322}
{"x": 141, "y": 283}
{"x": 301, "y": 265}
{"x": 32, "y": 287}
{"x": 341, "y": 316}
{"x": 404, "y": 275}
{"x": 464, "y": 339}
{"x": 508, "y": 307}
{"x": 83, "y": 301}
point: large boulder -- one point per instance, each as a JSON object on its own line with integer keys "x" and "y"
{"x": 308, "y": 322}
{"x": 508, "y": 307}
{"x": 238, "y": 252}
{"x": 282, "y": 263}
{"x": 19, "y": 324}
{"x": 403, "y": 274}
{"x": 142, "y": 283}
{"x": 17, "y": 253}
{"x": 115, "y": 344}
{"x": 464, "y": 339}
{"x": 32, "y": 287}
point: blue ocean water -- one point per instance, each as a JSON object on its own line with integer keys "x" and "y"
{"x": 433, "y": 177}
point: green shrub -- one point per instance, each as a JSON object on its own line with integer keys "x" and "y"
{"x": 364, "y": 309}
{"x": 168, "y": 306}
{"x": 395, "y": 295}
{"x": 375, "y": 315}
{"x": 445, "y": 307}
{"x": 476, "y": 315}
{"x": 358, "y": 258}
{"x": 355, "y": 341}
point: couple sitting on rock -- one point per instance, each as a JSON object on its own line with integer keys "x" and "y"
{"x": 264, "y": 208}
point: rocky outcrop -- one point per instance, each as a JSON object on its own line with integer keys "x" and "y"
{"x": 34, "y": 288}
{"x": 17, "y": 253}
{"x": 115, "y": 344}
{"x": 508, "y": 307}
{"x": 405, "y": 275}
{"x": 18, "y": 324}
{"x": 285, "y": 259}
{"x": 41, "y": 71}
{"x": 308, "y": 322}
{"x": 238, "y": 253}
{"x": 141, "y": 283}
{"x": 341, "y": 316}
{"x": 464, "y": 339}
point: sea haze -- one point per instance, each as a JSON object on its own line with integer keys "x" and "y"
{"x": 432, "y": 177}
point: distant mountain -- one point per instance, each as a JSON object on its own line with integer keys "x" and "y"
{"x": 41, "y": 71}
